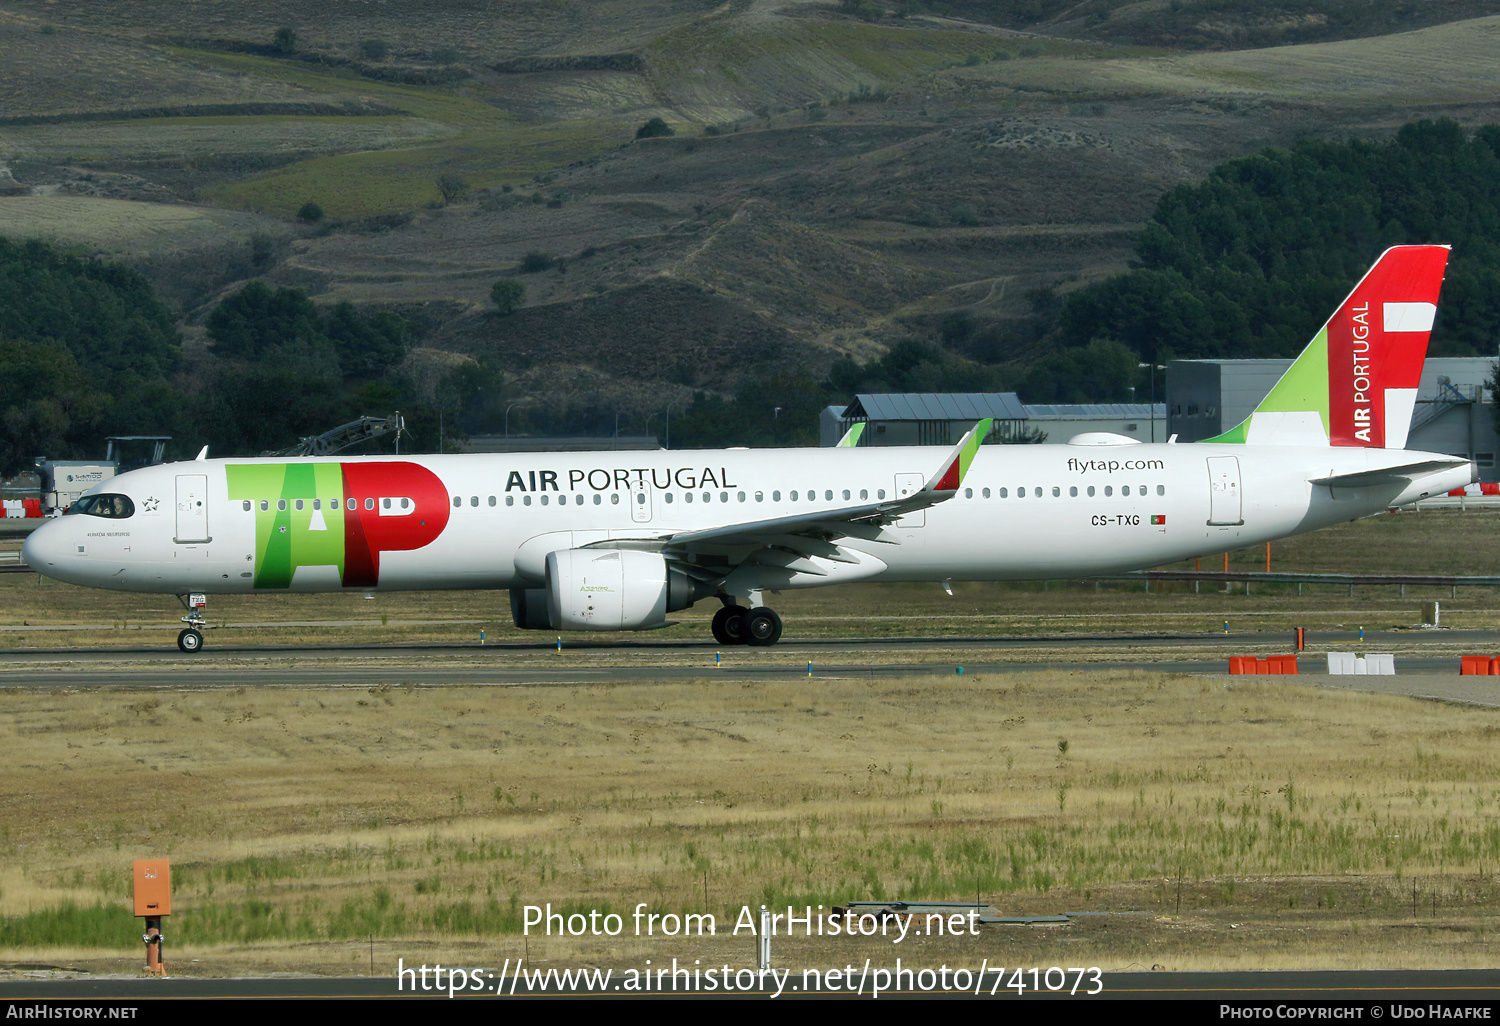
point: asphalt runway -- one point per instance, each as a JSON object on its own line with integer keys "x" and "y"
{"x": 1421, "y": 669}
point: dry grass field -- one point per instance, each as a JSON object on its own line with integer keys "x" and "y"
{"x": 1208, "y": 824}
{"x": 1395, "y": 69}
{"x": 1203, "y": 822}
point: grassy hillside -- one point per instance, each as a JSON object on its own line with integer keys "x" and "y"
{"x": 834, "y": 184}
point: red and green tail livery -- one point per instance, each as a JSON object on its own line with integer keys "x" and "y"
{"x": 1356, "y": 384}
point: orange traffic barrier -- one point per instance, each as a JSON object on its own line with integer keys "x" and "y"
{"x": 1482, "y": 666}
{"x": 1269, "y": 665}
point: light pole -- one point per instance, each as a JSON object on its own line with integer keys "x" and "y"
{"x": 518, "y": 402}
{"x": 668, "y": 443}
{"x": 1151, "y": 368}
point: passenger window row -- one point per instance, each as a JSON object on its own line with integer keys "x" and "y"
{"x": 1090, "y": 491}
{"x": 301, "y": 505}
{"x": 811, "y": 495}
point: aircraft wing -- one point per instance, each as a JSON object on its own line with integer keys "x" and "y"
{"x": 811, "y": 534}
{"x": 852, "y": 436}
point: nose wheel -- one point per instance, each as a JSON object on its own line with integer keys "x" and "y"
{"x": 191, "y": 638}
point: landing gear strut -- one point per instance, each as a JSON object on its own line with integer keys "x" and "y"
{"x": 191, "y": 638}
{"x": 736, "y": 625}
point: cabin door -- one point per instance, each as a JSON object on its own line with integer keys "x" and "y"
{"x": 192, "y": 509}
{"x": 1225, "y": 505}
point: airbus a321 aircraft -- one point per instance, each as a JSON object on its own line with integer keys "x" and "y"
{"x": 621, "y": 540}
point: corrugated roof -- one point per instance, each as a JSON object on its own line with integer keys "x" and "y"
{"x": 936, "y": 406}
{"x": 1094, "y": 411}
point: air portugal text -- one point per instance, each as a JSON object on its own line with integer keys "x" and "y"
{"x": 602, "y": 479}
{"x": 1360, "y": 349}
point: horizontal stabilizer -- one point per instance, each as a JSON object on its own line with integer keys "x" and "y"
{"x": 1388, "y": 475}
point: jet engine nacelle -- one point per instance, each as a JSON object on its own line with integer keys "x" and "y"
{"x": 605, "y": 590}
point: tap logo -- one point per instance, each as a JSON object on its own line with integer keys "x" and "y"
{"x": 342, "y": 515}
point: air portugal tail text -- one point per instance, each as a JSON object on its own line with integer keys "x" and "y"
{"x": 1376, "y": 345}
{"x": 1356, "y": 383}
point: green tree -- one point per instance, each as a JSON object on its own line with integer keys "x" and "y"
{"x": 258, "y": 320}
{"x": 367, "y": 343}
{"x": 865, "y": 10}
{"x": 47, "y": 406}
{"x": 1102, "y": 371}
{"x": 106, "y": 315}
{"x": 1248, "y": 262}
{"x": 508, "y": 294}
{"x": 310, "y": 212}
{"x": 285, "y": 39}
{"x": 653, "y": 129}
{"x": 453, "y": 188}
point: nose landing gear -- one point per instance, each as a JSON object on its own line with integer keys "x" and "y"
{"x": 191, "y": 638}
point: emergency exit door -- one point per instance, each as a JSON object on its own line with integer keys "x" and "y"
{"x": 908, "y": 485}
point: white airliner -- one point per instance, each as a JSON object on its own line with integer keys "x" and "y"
{"x": 619, "y": 541}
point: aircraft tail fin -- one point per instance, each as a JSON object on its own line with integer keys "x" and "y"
{"x": 1356, "y": 383}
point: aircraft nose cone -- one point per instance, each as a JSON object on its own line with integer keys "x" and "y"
{"x": 43, "y": 548}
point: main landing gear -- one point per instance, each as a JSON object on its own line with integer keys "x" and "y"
{"x": 191, "y": 638}
{"x": 736, "y": 625}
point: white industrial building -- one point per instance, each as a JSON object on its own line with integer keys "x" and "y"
{"x": 1454, "y": 412}
{"x": 941, "y": 418}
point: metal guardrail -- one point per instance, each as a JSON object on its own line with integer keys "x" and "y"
{"x": 1257, "y": 577}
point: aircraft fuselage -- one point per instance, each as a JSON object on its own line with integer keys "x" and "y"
{"x": 488, "y": 521}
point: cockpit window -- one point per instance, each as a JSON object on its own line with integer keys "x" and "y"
{"x": 115, "y": 507}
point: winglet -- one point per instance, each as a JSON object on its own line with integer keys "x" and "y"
{"x": 1356, "y": 383}
{"x": 952, "y": 475}
{"x": 853, "y": 435}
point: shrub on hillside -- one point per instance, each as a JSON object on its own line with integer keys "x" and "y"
{"x": 653, "y": 129}
{"x": 508, "y": 294}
